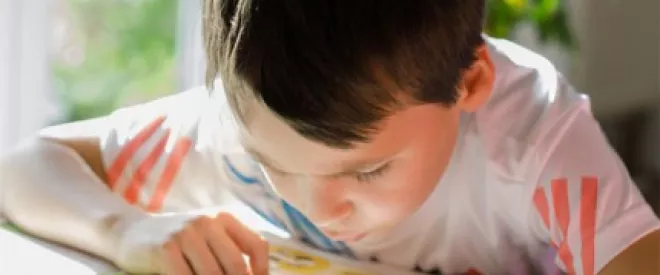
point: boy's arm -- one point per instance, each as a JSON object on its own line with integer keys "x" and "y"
{"x": 588, "y": 207}
{"x": 80, "y": 183}
{"x": 49, "y": 190}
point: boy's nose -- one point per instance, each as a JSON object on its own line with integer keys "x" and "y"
{"x": 332, "y": 217}
{"x": 327, "y": 205}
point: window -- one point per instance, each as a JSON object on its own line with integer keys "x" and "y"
{"x": 108, "y": 54}
{"x": 69, "y": 60}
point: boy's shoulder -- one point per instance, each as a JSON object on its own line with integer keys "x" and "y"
{"x": 530, "y": 99}
{"x": 152, "y": 149}
{"x": 190, "y": 104}
{"x": 528, "y": 93}
{"x": 197, "y": 113}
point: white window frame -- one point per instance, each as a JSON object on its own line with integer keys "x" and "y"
{"x": 25, "y": 77}
{"x": 189, "y": 45}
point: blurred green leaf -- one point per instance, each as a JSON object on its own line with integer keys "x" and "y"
{"x": 548, "y": 17}
{"x": 502, "y": 17}
{"x": 517, "y": 6}
{"x": 129, "y": 51}
{"x": 544, "y": 9}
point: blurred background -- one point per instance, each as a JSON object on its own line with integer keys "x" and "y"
{"x": 66, "y": 60}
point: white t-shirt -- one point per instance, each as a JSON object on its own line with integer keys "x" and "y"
{"x": 532, "y": 176}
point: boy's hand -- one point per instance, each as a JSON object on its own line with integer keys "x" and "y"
{"x": 187, "y": 245}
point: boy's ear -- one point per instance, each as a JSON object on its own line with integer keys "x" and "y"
{"x": 476, "y": 84}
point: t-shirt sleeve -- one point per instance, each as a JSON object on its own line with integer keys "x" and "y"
{"x": 159, "y": 155}
{"x": 587, "y": 206}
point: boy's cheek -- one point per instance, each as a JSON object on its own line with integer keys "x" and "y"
{"x": 402, "y": 206}
{"x": 289, "y": 189}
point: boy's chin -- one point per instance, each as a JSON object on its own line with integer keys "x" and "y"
{"x": 375, "y": 234}
{"x": 350, "y": 238}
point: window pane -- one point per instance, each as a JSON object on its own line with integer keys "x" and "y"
{"x": 112, "y": 53}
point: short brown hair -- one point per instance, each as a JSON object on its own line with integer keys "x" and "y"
{"x": 313, "y": 62}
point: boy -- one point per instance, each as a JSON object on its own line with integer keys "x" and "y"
{"x": 390, "y": 131}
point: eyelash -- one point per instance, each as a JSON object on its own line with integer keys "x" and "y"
{"x": 367, "y": 177}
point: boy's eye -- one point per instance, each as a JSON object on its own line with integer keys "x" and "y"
{"x": 368, "y": 176}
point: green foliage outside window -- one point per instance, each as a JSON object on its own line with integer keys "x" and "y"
{"x": 129, "y": 48}
{"x": 548, "y": 17}
{"x": 129, "y": 55}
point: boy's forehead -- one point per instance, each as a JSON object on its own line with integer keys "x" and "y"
{"x": 272, "y": 140}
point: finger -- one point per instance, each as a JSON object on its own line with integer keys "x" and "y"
{"x": 249, "y": 242}
{"x": 173, "y": 261}
{"x": 197, "y": 252}
{"x": 225, "y": 249}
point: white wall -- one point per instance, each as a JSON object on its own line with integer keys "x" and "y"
{"x": 618, "y": 63}
{"x": 622, "y": 54}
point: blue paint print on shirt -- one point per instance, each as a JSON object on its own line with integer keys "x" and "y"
{"x": 243, "y": 178}
{"x": 306, "y": 228}
{"x": 288, "y": 210}
{"x": 271, "y": 218}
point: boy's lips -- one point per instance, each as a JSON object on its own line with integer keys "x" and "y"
{"x": 346, "y": 236}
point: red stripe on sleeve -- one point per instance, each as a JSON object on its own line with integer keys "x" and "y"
{"x": 179, "y": 152}
{"x": 127, "y": 151}
{"x": 561, "y": 205}
{"x": 144, "y": 171}
{"x": 541, "y": 203}
{"x": 588, "y": 204}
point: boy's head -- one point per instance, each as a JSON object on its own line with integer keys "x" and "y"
{"x": 351, "y": 106}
